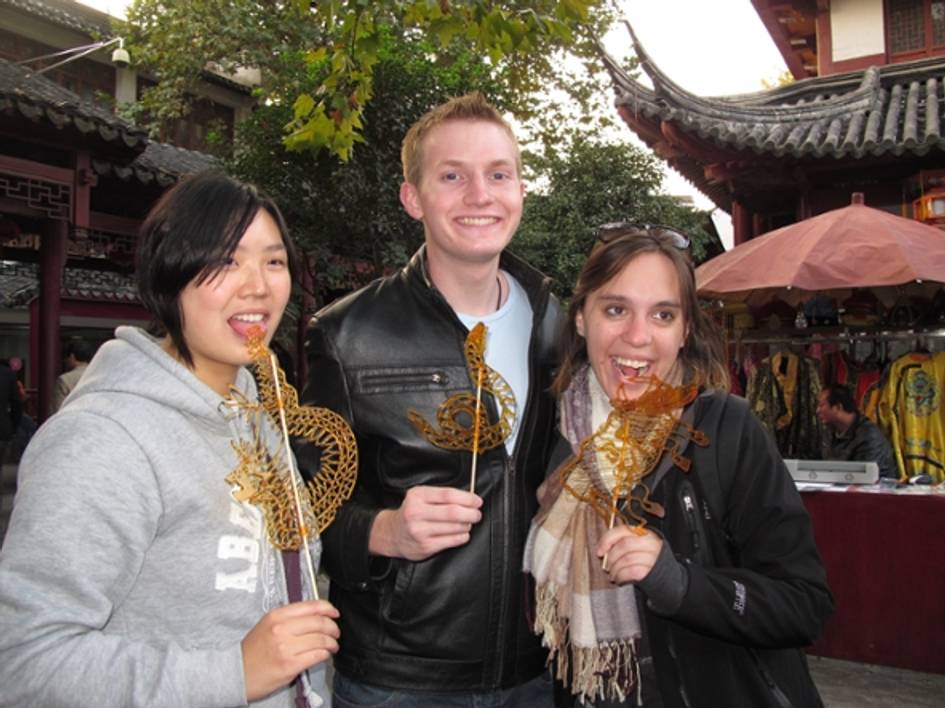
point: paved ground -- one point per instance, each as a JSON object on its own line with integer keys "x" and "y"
{"x": 842, "y": 684}
{"x": 845, "y": 684}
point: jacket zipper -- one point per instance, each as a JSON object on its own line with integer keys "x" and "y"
{"x": 435, "y": 377}
{"x": 504, "y": 580}
{"x": 779, "y": 697}
{"x": 692, "y": 523}
{"x": 525, "y": 432}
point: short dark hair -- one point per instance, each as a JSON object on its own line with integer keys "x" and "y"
{"x": 702, "y": 356}
{"x": 188, "y": 236}
{"x": 78, "y": 348}
{"x": 840, "y": 395}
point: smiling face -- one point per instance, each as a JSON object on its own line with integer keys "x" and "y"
{"x": 470, "y": 194}
{"x": 252, "y": 289}
{"x": 634, "y": 326}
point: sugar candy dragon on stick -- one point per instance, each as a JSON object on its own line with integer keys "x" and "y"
{"x": 626, "y": 448}
{"x": 294, "y": 511}
{"x": 478, "y": 434}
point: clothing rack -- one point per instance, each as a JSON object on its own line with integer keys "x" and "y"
{"x": 813, "y": 336}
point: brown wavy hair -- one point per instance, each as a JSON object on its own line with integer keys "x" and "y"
{"x": 702, "y": 357}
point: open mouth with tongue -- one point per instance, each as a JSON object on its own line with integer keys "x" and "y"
{"x": 632, "y": 369}
{"x": 249, "y": 323}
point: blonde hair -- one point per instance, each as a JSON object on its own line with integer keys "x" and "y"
{"x": 473, "y": 107}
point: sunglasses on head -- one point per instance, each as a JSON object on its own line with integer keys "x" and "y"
{"x": 619, "y": 229}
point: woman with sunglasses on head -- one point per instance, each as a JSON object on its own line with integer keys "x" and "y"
{"x": 674, "y": 562}
{"x": 131, "y": 575}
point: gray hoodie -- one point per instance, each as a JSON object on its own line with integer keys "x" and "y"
{"x": 129, "y": 574}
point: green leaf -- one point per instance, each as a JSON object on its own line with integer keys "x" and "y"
{"x": 320, "y": 49}
{"x": 316, "y": 55}
{"x": 303, "y": 106}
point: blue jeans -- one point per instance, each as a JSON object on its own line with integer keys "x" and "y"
{"x": 537, "y": 693}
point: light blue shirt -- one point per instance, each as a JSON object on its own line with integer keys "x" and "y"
{"x": 509, "y": 331}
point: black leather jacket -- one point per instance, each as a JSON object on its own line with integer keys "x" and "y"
{"x": 458, "y": 621}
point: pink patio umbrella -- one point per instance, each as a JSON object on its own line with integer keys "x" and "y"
{"x": 843, "y": 249}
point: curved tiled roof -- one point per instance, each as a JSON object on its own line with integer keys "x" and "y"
{"x": 73, "y": 15}
{"x": 38, "y": 98}
{"x": 159, "y": 162}
{"x": 891, "y": 109}
{"x": 88, "y": 20}
{"x": 172, "y": 161}
{"x": 19, "y": 284}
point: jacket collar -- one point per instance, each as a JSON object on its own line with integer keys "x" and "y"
{"x": 531, "y": 279}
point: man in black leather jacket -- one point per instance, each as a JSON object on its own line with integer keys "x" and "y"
{"x": 428, "y": 576}
{"x": 852, "y": 436}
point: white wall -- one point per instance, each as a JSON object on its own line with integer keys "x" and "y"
{"x": 856, "y": 28}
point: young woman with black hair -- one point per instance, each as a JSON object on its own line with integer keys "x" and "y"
{"x": 130, "y": 574}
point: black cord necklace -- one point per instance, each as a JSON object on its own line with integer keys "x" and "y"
{"x": 498, "y": 283}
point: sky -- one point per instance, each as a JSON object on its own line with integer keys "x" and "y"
{"x": 708, "y": 47}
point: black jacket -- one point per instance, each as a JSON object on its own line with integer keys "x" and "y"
{"x": 458, "y": 621}
{"x": 757, "y": 590}
{"x": 11, "y": 407}
{"x": 864, "y": 442}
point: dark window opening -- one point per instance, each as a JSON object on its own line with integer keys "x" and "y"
{"x": 915, "y": 28}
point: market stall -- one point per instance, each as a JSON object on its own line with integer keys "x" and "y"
{"x": 854, "y": 296}
{"x": 886, "y": 573}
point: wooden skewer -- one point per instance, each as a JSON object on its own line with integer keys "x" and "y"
{"x": 296, "y": 478}
{"x": 617, "y": 490}
{"x": 613, "y": 517}
{"x": 475, "y": 451}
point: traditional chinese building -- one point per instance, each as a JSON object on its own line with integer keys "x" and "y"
{"x": 75, "y": 182}
{"x": 864, "y": 115}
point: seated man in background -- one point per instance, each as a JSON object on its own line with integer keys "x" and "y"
{"x": 76, "y": 355}
{"x": 853, "y": 436}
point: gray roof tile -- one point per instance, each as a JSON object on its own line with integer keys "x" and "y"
{"x": 19, "y": 284}
{"x": 891, "y": 109}
{"x": 66, "y": 13}
{"x": 39, "y": 98}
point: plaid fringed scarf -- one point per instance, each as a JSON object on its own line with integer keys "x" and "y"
{"x": 590, "y": 625}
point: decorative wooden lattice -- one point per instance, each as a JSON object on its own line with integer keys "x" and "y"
{"x": 54, "y": 199}
{"x": 267, "y": 480}
{"x": 463, "y": 424}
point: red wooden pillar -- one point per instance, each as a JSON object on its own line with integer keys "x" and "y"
{"x": 34, "y": 349}
{"x": 52, "y": 261}
{"x": 85, "y": 179}
{"x": 757, "y": 224}
{"x": 741, "y": 224}
{"x": 803, "y": 210}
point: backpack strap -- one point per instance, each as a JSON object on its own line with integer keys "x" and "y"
{"x": 723, "y": 444}
{"x": 293, "y": 581}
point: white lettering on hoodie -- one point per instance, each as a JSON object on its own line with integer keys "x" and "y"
{"x": 232, "y": 546}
